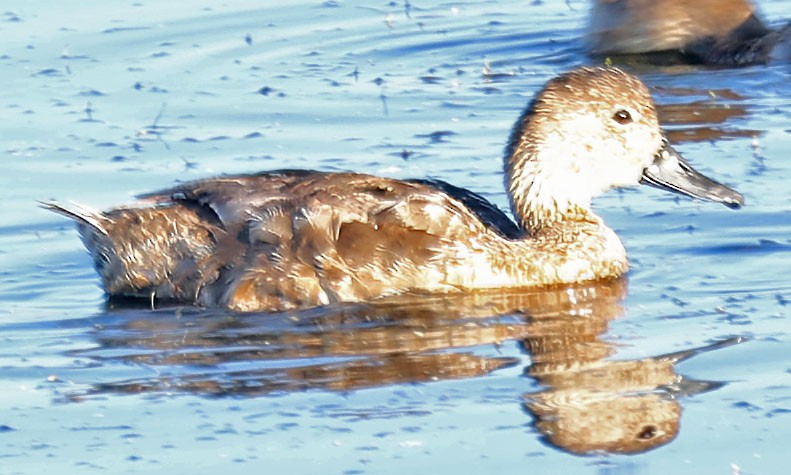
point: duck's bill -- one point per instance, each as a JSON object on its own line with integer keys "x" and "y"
{"x": 671, "y": 172}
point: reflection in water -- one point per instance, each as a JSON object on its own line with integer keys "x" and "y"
{"x": 588, "y": 405}
{"x": 707, "y": 116}
{"x": 593, "y": 405}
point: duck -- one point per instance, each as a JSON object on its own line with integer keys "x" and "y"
{"x": 725, "y": 33}
{"x": 291, "y": 239}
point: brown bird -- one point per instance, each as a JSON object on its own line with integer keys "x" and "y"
{"x": 287, "y": 239}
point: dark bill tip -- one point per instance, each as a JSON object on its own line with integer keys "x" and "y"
{"x": 672, "y": 173}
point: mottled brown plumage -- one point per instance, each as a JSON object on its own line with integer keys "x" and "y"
{"x": 288, "y": 239}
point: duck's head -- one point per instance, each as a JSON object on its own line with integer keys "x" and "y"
{"x": 588, "y": 131}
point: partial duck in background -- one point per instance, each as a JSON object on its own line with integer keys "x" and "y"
{"x": 712, "y": 32}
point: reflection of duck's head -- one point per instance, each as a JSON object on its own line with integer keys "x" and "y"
{"x": 720, "y": 32}
{"x": 627, "y": 424}
{"x": 591, "y": 404}
{"x": 606, "y": 406}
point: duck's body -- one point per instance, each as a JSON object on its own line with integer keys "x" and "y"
{"x": 302, "y": 238}
{"x": 287, "y": 239}
{"x": 714, "y": 32}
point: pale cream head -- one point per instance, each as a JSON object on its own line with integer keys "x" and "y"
{"x": 588, "y": 131}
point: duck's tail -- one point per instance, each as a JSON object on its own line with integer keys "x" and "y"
{"x": 80, "y": 213}
{"x": 159, "y": 251}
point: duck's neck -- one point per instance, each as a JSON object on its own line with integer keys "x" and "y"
{"x": 540, "y": 200}
{"x": 565, "y": 241}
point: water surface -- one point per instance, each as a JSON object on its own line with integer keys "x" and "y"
{"x": 106, "y": 100}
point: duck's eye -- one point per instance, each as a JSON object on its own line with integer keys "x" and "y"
{"x": 648, "y": 432}
{"x": 623, "y": 117}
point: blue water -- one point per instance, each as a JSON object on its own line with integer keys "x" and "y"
{"x": 106, "y": 100}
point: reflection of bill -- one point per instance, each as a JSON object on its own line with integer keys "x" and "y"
{"x": 589, "y": 404}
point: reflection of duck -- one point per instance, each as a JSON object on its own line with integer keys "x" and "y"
{"x": 403, "y": 339}
{"x": 703, "y": 115}
{"x": 717, "y": 32}
{"x": 588, "y": 405}
{"x": 295, "y": 238}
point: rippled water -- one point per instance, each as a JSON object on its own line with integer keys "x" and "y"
{"x": 104, "y": 101}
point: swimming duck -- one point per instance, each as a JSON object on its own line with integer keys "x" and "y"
{"x": 292, "y": 238}
{"x": 714, "y": 32}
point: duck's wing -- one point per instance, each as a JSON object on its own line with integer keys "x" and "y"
{"x": 487, "y": 212}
